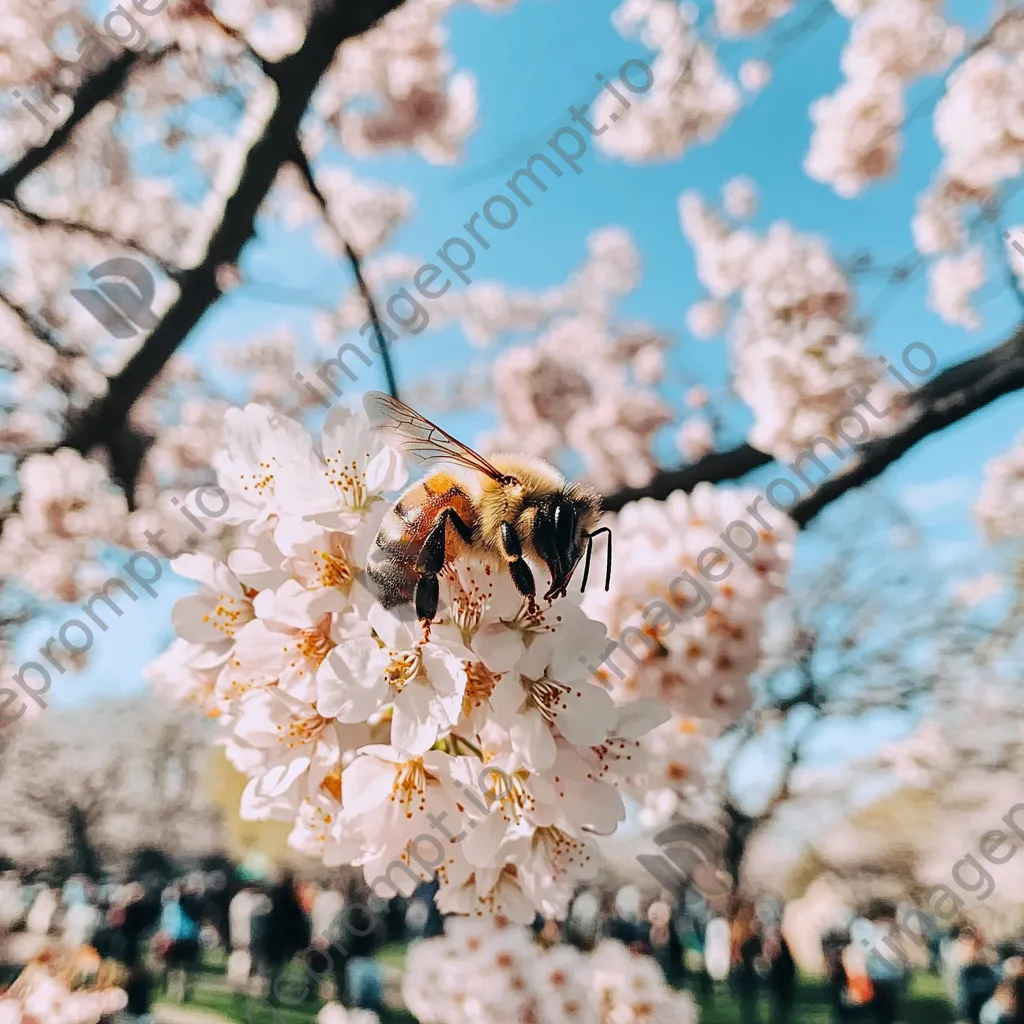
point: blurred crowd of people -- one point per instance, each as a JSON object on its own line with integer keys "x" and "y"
{"x": 162, "y": 930}
{"x": 301, "y": 942}
{"x": 868, "y": 973}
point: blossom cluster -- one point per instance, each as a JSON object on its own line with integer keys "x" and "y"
{"x": 1000, "y": 504}
{"x": 977, "y": 123}
{"x": 494, "y": 973}
{"x": 68, "y": 507}
{"x": 796, "y": 351}
{"x": 692, "y": 98}
{"x": 549, "y": 399}
{"x": 856, "y": 129}
{"x": 479, "y": 750}
{"x": 684, "y": 640}
{"x": 71, "y": 987}
{"x": 421, "y": 102}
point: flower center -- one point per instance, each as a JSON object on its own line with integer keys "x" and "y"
{"x": 226, "y": 614}
{"x": 480, "y": 682}
{"x": 403, "y": 668}
{"x": 547, "y": 696}
{"x": 410, "y": 786}
{"x": 314, "y": 644}
{"x": 260, "y": 481}
{"x": 333, "y": 568}
{"x": 332, "y": 784}
{"x": 510, "y": 793}
{"x": 349, "y": 481}
{"x": 301, "y": 731}
{"x": 560, "y": 850}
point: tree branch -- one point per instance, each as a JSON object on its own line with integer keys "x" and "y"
{"x": 302, "y": 164}
{"x": 946, "y": 399}
{"x": 713, "y": 468}
{"x": 81, "y": 227}
{"x": 96, "y": 89}
{"x": 297, "y": 76}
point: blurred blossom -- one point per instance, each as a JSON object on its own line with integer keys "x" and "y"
{"x": 697, "y": 397}
{"x": 705, "y": 319}
{"x": 952, "y": 281}
{"x": 977, "y": 591}
{"x": 795, "y": 353}
{"x": 691, "y": 99}
{"x": 748, "y": 17}
{"x": 856, "y": 130}
{"x": 695, "y": 438}
{"x": 494, "y": 973}
{"x": 1000, "y": 504}
{"x": 754, "y": 75}
{"x": 739, "y": 198}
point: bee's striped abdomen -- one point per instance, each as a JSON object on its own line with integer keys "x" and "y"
{"x": 392, "y": 567}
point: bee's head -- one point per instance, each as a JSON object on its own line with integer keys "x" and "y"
{"x": 561, "y": 529}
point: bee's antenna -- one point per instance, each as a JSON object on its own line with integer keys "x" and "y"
{"x": 590, "y": 548}
{"x": 586, "y": 564}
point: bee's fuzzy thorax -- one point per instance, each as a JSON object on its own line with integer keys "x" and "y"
{"x": 502, "y": 503}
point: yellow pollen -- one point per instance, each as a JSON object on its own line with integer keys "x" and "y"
{"x": 403, "y": 667}
{"x": 332, "y": 784}
{"x": 480, "y": 682}
{"x": 315, "y": 645}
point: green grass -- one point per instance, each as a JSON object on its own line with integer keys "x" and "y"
{"x": 926, "y": 1003}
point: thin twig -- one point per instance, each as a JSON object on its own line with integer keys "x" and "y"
{"x": 302, "y": 164}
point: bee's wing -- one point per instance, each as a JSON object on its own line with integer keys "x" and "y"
{"x": 419, "y": 440}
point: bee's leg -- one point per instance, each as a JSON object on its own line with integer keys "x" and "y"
{"x": 520, "y": 572}
{"x": 432, "y": 560}
{"x": 427, "y": 595}
{"x": 432, "y": 556}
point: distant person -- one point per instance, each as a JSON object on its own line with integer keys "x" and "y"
{"x": 357, "y": 935}
{"x": 717, "y": 949}
{"x": 12, "y": 901}
{"x": 41, "y": 914}
{"x": 132, "y": 914}
{"x": 833, "y": 943}
{"x": 180, "y": 931}
{"x": 977, "y": 982}
{"x": 954, "y": 950}
{"x": 666, "y": 945}
{"x": 744, "y": 950}
{"x": 1001, "y": 1008}
{"x": 781, "y": 976}
{"x": 245, "y": 906}
{"x": 286, "y": 932}
{"x": 886, "y": 972}
{"x": 81, "y": 918}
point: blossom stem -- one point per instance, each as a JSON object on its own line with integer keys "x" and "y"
{"x": 469, "y": 746}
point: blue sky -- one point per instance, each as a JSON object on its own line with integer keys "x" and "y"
{"x": 531, "y": 63}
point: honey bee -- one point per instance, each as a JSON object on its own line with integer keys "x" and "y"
{"x": 504, "y": 509}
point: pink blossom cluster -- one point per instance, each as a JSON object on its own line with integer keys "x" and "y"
{"x": 1000, "y": 505}
{"x": 421, "y": 102}
{"x": 39, "y": 996}
{"x": 796, "y": 351}
{"x": 692, "y": 98}
{"x": 483, "y": 752}
{"x": 690, "y": 623}
{"x": 490, "y": 972}
{"x": 856, "y": 130}
{"x": 978, "y": 125}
